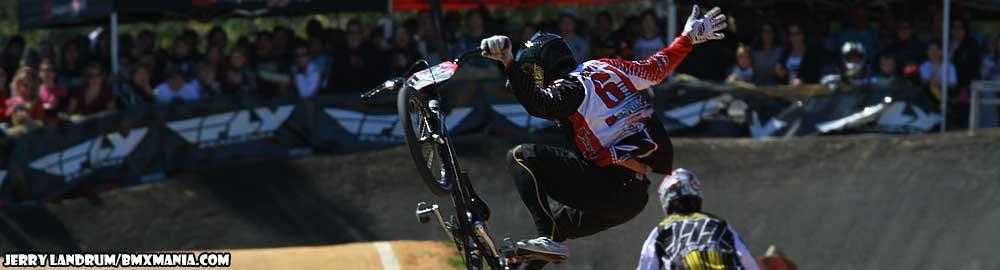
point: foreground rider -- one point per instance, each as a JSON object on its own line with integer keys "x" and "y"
{"x": 617, "y": 138}
{"x": 689, "y": 238}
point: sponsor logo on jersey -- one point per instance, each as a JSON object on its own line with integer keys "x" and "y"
{"x": 696, "y": 235}
{"x": 384, "y": 128}
{"x": 232, "y": 127}
{"x": 84, "y": 158}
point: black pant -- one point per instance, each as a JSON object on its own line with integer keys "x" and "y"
{"x": 589, "y": 198}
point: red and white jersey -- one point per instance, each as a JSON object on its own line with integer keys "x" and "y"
{"x": 611, "y": 125}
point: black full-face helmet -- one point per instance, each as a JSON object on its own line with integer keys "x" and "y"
{"x": 545, "y": 58}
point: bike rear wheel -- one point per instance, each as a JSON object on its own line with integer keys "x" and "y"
{"x": 427, "y": 146}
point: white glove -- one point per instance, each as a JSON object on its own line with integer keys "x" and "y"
{"x": 497, "y": 48}
{"x": 703, "y": 28}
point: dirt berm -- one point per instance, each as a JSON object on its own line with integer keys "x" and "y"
{"x": 864, "y": 202}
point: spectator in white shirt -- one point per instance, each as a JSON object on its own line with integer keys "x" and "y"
{"x": 308, "y": 74}
{"x": 175, "y": 89}
{"x": 930, "y": 70}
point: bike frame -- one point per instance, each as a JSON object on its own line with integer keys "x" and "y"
{"x": 472, "y": 237}
{"x": 467, "y": 227}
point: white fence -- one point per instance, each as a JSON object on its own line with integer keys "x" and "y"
{"x": 983, "y": 105}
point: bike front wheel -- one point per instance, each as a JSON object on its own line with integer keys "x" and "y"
{"x": 425, "y": 140}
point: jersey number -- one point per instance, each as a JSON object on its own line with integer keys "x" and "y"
{"x": 609, "y": 92}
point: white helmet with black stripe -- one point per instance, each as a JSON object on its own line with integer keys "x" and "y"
{"x": 680, "y": 183}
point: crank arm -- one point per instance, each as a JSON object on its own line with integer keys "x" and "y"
{"x": 480, "y": 229}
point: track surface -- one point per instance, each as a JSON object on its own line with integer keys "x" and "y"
{"x": 867, "y": 202}
{"x": 394, "y": 255}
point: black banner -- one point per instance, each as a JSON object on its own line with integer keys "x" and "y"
{"x": 234, "y": 129}
{"x": 117, "y": 149}
{"x": 146, "y": 144}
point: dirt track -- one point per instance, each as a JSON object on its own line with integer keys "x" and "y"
{"x": 410, "y": 255}
{"x": 866, "y": 202}
{"x": 404, "y": 255}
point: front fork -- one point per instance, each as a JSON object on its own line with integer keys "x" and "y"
{"x": 476, "y": 211}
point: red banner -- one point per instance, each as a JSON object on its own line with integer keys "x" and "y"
{"x": 420, "y": 5}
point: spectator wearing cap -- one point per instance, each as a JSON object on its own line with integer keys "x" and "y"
{"x": 96, "y": 95}
{"x": 577, "y": 44}
{"x": 176, "y": 89}
{"x": 307, "y": 72}
{"x": 24, "y": 89}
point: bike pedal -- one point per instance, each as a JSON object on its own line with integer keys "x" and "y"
{"x": 424, "y": 212}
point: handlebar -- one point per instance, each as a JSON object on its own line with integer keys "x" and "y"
{"x": 394, "y": 83}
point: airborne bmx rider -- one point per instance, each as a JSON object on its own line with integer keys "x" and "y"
{"x": 618, "y": 139}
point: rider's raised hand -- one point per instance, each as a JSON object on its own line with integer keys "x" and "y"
{"x": 498, "y": 48}
{"x": 701, "y": 28}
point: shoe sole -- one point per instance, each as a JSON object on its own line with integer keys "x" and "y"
{"x": 531, "y": 254}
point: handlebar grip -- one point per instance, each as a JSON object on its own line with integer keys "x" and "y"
{"x": 387, "y": 85}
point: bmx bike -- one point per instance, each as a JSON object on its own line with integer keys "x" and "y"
{"x": 419, "y": 104}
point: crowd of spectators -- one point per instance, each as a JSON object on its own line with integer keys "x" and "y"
{"x": 50, "y": 83}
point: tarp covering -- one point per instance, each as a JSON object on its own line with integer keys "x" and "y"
{"x": 416, "y": 5}
{"x": 35, "y": 14}
{"x": 289, "y": 7}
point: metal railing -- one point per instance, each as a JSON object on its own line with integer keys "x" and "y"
{"x": 978, "y": 100}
